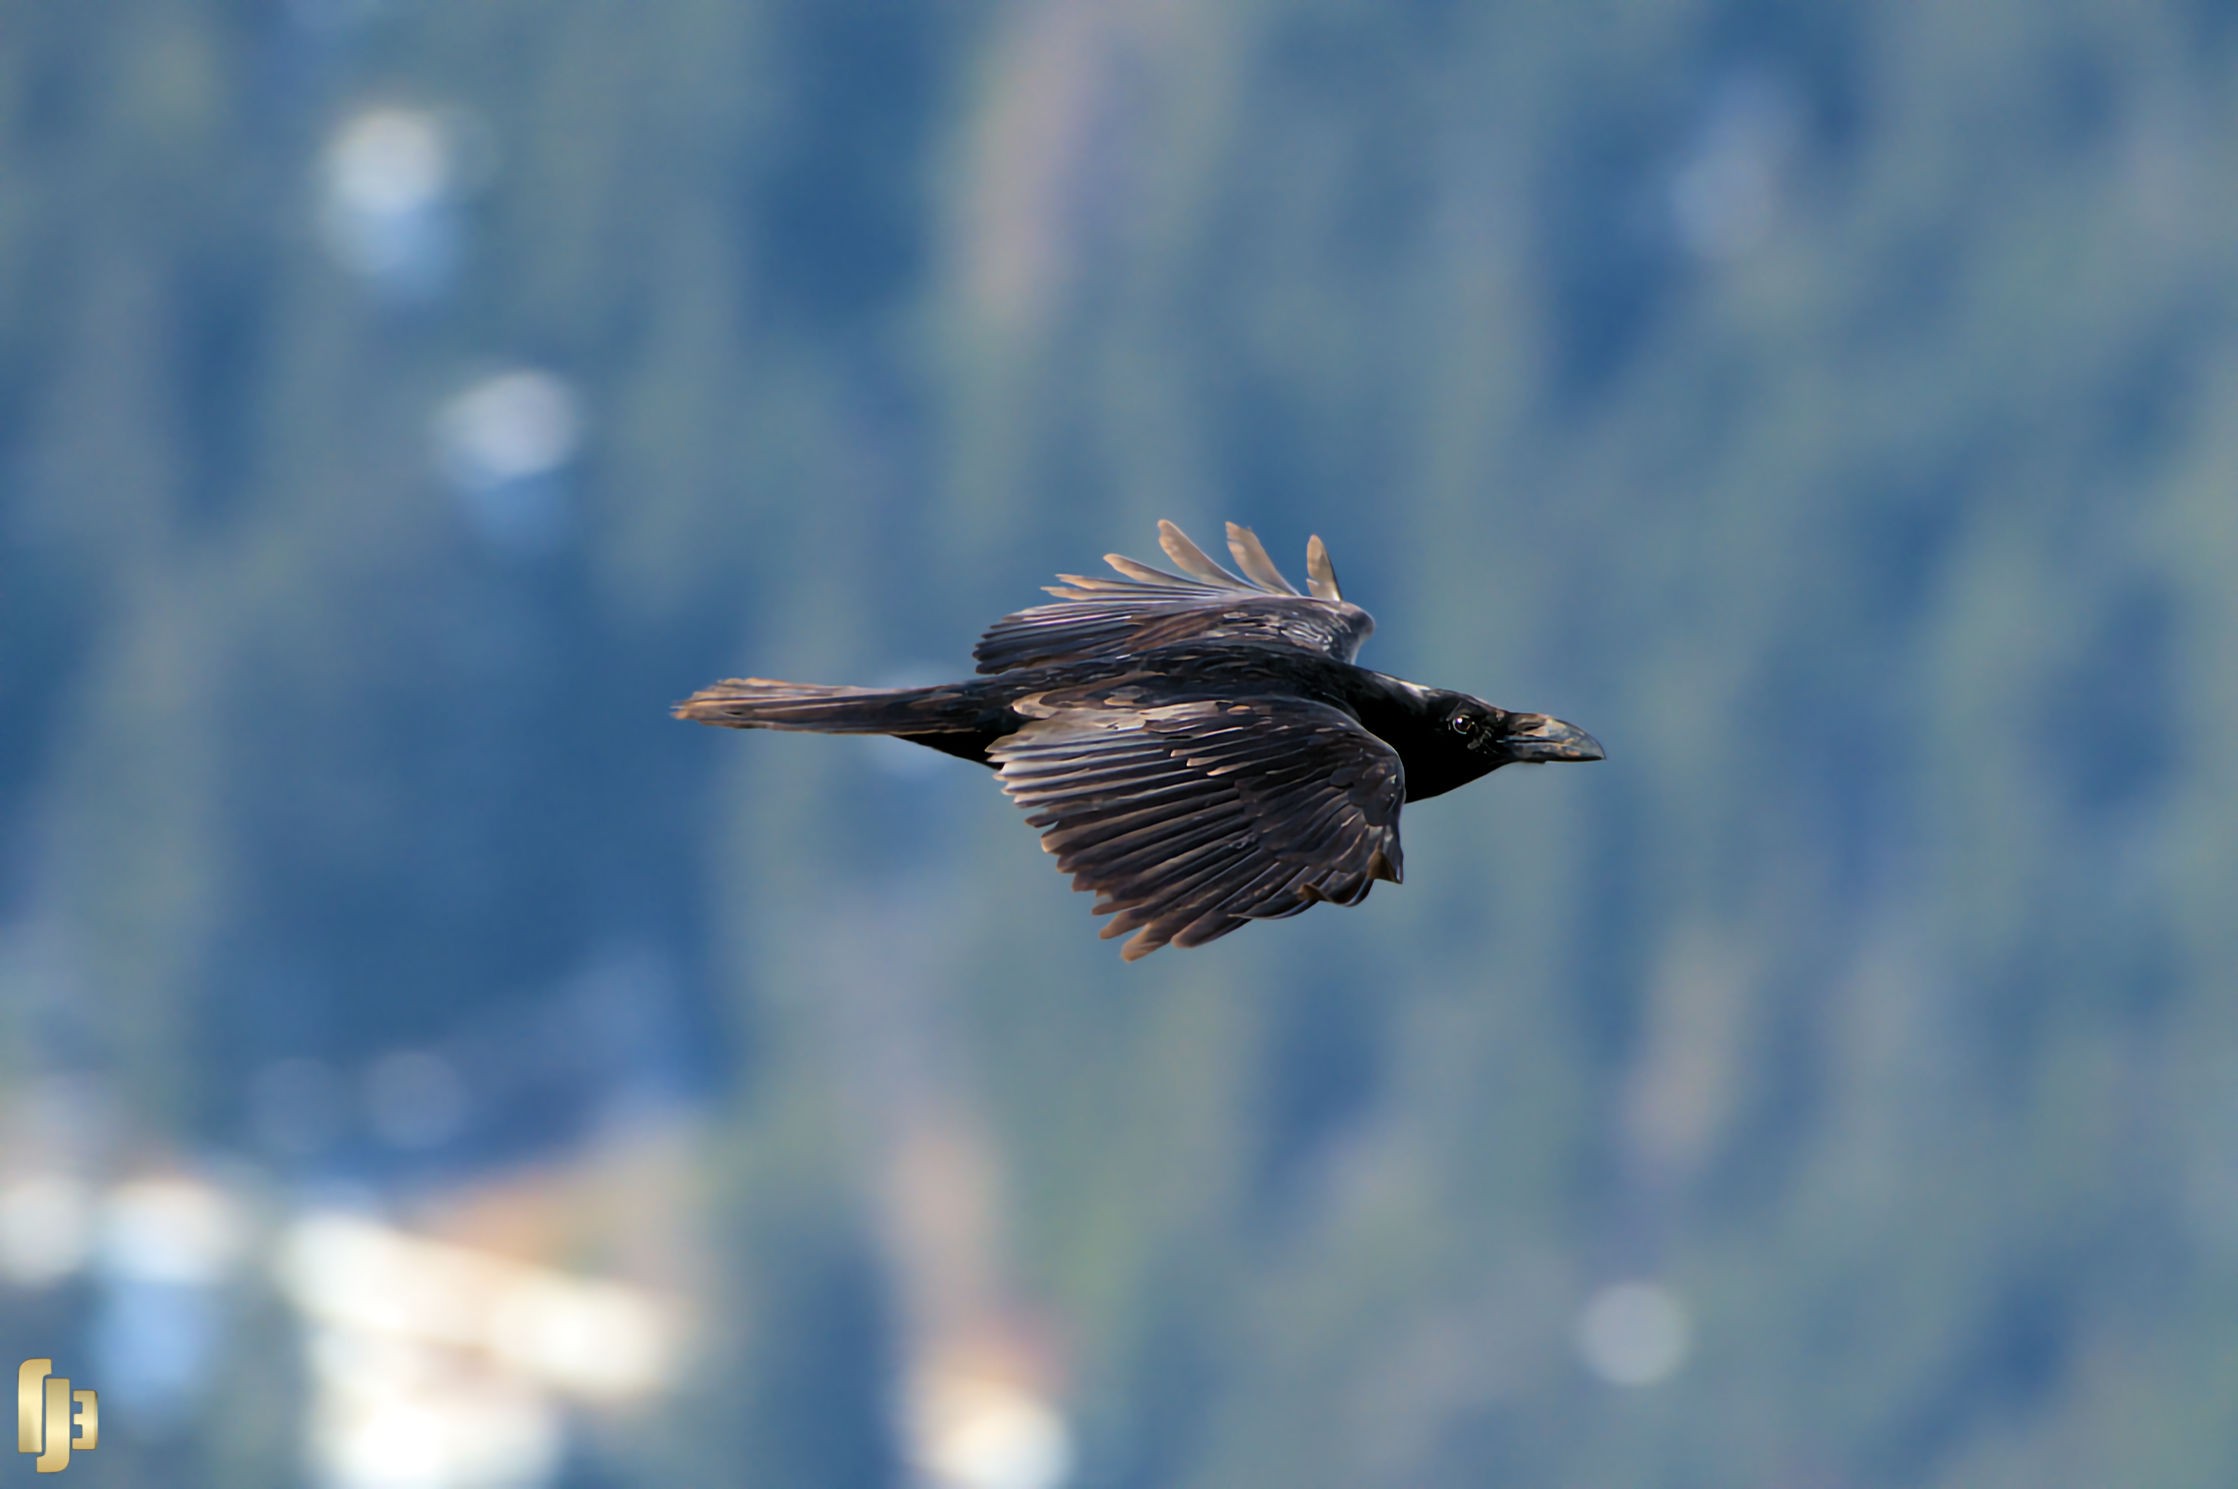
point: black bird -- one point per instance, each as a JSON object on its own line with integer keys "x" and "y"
{"x": 1198, "y": 748}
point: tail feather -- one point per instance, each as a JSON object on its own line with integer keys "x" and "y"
{"x": 764, "y": 703}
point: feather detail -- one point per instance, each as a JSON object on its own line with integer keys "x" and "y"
{"x": 1192, "y": 559}
{"x": 1321, "y": 575}
{"x": 1251, "y": 557}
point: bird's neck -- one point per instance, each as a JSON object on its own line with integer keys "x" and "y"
{"x": 1412, "y": 720}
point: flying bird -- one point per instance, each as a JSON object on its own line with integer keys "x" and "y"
{"x": 1198, "y": 748}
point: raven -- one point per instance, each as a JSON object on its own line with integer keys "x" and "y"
{"x": 1198, "y": 748}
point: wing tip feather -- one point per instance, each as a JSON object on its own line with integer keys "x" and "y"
{"x": 1251, "y": 556}
{"x": 1193, "y": 560}
{"x": 1321, "y": 574}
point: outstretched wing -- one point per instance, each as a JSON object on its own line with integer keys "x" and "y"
{"x": 1149, "y": 607}
{"x": 1189, "y": 819}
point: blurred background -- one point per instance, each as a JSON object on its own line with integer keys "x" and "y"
{"x": 423, "y": 1063}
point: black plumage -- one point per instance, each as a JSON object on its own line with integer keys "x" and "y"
{"x": 1198, "y": 748}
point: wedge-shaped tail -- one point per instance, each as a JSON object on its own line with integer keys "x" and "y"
{"x": 822, "y": 708}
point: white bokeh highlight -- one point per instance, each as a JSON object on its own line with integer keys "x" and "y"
{"x": 1634, "y": 1333}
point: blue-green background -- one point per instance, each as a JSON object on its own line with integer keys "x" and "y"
{"x": 1834, "y": 408}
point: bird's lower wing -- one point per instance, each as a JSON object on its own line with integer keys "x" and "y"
{"x": 1189, "y": 819}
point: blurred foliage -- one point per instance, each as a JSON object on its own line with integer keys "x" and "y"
{"x": 1828, "y": 406}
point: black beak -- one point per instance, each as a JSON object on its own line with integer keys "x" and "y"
{"x": 1535, "y": 738}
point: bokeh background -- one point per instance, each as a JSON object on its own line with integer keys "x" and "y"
{"x": 424, "y": 1063}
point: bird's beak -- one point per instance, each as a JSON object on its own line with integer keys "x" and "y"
{"x": 1535, "y": 738}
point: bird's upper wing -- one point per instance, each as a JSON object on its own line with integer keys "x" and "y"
{"x": 1149, "y": 607}
{"x": 1191, "y": 818}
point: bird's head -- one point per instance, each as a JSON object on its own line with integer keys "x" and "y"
{"x": 1475, "y": 738}
{"x": 1505, "y": 738}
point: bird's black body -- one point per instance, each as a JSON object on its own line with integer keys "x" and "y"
{"x": 1200, "y": 747}
{"x": 966, "y": 719}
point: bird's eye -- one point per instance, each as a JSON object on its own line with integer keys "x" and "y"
{"x": 1461, "y": 723}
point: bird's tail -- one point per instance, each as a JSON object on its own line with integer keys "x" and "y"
{"x": 763, "y": 703}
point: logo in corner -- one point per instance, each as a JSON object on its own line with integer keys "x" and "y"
{"x": 45, "y": 1416}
